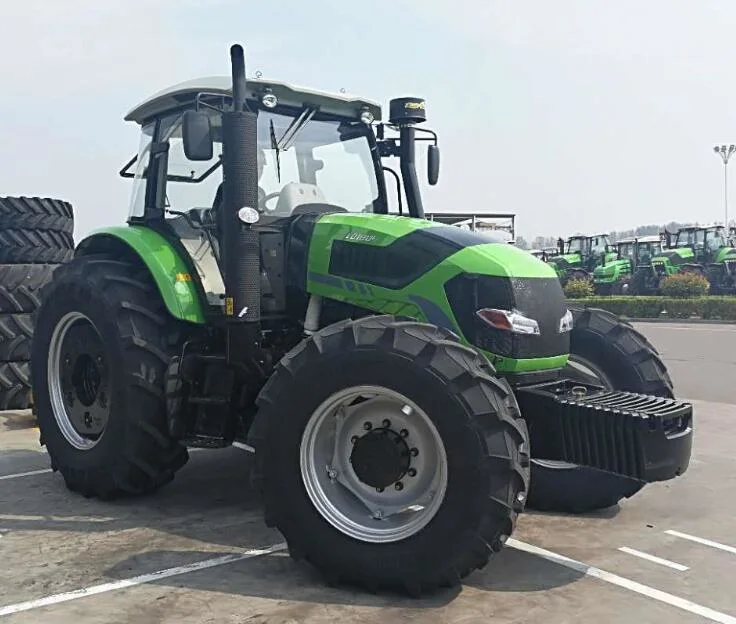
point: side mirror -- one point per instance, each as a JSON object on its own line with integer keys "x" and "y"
{"x": 196, "y": 134}
{"x": 433, "y": 164}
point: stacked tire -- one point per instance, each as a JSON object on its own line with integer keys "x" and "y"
{"x": 36, "y": 236}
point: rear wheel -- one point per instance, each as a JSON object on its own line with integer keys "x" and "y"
{"x": 101, "y": 345}
{"x": 390, "y": 455}
{"x": 608, "y": 351}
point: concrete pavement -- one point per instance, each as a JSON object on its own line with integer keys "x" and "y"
{"x": 665, "y": 556}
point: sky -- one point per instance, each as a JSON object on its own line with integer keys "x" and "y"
{"x": 576, "y": 115}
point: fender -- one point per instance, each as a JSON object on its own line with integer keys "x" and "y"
{"x": 171, "y": 274}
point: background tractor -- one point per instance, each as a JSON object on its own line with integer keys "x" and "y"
{"x": 579, "y": 255}
{"x": 393, "y": 374}
{"x": 706, "y": 251}
{"x": 633, "y": 261}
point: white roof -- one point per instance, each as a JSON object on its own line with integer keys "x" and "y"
{"x": 649, "y": 239}
{"x": 179, "y": 94}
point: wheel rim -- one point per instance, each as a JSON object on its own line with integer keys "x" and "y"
{"x": 373, "y": 464}
{"x": 580, "y": 369}
{"x": 79, "y": 381}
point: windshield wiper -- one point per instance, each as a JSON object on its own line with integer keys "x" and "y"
{"x": 287, "y": 139}
{"x": 275, "y": 148}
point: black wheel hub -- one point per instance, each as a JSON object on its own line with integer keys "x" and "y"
{"x": 380, "y": 458}
{"x": 85, "y": 380}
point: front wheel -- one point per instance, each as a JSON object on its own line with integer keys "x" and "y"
{"x": 610, "y": 352}
{"x": 390, "y": 455}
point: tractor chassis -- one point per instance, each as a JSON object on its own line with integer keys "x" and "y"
{"x": 642, "y": 437}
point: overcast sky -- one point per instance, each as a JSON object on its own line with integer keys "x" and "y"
{"x": 577, "y": 115}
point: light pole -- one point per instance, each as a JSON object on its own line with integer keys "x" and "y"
{"x": 725, "y": 153}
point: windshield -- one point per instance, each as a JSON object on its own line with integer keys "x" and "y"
{"x": 715, "y": 239}
{"x": 690, "y": 238}
{"x": 625, "y": 250}
{"x": 577, "y": 245}
{"x": 326, "y": 161}
{"x": 649, "y": 250}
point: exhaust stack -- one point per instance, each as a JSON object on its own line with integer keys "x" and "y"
{"x": 241, "y": 242}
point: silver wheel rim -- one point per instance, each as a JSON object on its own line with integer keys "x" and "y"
{"x": 332, "y": 481}
{"x": 57, "y": 392}
{"x": 585, "y": 368}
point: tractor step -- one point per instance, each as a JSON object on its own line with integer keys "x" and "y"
{"x": 644, "y": 437}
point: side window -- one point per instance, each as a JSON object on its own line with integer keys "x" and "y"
{"x": 138, "y": 192}
{"x": 183, "y": 192}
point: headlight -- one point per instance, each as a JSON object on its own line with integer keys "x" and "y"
{"x": 512, "y": 321}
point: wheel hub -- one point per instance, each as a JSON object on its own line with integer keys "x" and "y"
{"x": 79, "y": 381}
{"x": 380, "y": 458}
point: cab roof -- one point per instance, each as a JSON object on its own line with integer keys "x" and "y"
{"x": 184, "y": 93}
{"x": 649, "y": 239}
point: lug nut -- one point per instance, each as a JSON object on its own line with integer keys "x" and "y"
{"x": 412, "y": 472}
{"x": 379, "y": 490}
{"x": 386, "y": 423}
{"x": 354, "y": 439}
{"x": 399, "y": 485}
{"x": 367, "y": 426}
{"x": 414, "y": 452}
{"x": 404, "y": 433}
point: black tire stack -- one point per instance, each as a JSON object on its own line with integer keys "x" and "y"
{"x": 36, "y": 236}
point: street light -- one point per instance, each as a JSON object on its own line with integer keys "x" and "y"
{"x": 725, "y": 153}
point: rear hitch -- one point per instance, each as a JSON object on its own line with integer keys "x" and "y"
{"x": 644, "y": 437}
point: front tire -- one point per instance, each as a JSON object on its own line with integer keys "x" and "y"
{"x": 101, "y": 345}
{"x": 620, "y": 358}
{"x": 433, "y": 398}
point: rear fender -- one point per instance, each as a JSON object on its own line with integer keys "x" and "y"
{"x": 168, "y": 269}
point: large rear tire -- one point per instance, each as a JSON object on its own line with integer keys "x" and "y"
{"x": 101, "y": 345}
{"x": 610, "y": 350}
{"x": 440, "y": 432}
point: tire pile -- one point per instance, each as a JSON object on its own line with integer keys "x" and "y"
{"x": 36, "y": 236}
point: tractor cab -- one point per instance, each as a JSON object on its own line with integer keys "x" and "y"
{"x": 316, "y": 153}
{"x": 591, "y": 249}
{"x": 705, "y": 242}
{"x": 646, "y": 248}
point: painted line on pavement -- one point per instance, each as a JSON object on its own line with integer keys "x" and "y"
{"x": 138, "y": 580}
{"x": 701, "y": 540}
{"x": 620, "y": 581}
{"x": 25, "y": 474}
{"x": 653, "y": 559}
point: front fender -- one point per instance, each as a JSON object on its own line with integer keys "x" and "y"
{"x": 167, "y": 268}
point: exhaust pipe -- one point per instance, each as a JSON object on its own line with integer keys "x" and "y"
{"x": 241, "y": 243}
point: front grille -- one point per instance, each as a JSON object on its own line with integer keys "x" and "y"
{"x": 538, "y": 298}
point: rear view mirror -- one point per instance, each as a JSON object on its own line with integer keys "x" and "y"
{"x": 433, "y": 164}
{"x": 196, "y": 134}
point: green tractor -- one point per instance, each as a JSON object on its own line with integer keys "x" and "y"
{"x": 408, "y": 387}
{"x": 704, "y": 250}
{"x": 579, "y": 255}
{"x": 633, "y": 259}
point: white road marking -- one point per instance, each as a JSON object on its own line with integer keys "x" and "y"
{"x": 701, "y": 540}
{"x": 614, "y": 579}
{"x": 53, "y": 518}
{"x": 25, "y": 474}
{"x": 244, "y": 447}
{"x": 715, "y": 327}
{"x": 138, "y": 580}
{"x": 653, "y": 559}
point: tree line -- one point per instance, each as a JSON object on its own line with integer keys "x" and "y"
{"x": 540, "y": 242}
